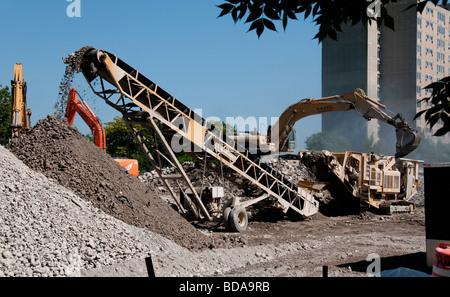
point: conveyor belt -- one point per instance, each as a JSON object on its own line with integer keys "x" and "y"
{"x": 141, "y": 100}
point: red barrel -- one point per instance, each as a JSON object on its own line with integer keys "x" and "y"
{"x": 441, "y": 265}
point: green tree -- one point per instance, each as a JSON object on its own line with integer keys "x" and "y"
{"x": 5, "y": 115}
{"x": 221, "y": 125}
{"x": 370, "y": 145}
{"x": 121, "y": 143}
{"x": 329, "y": 16}
{"x": 90, "y": 137}
{"x": 431, "y": 152}
{"x": 439, "y": 112}
{"x": 327, "y": 141}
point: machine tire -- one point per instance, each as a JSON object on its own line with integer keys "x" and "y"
{"x": 238, "y": 219}
{"x": 226, "y": 218}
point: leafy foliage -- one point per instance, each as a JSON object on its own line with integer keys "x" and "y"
{"x": 221, "y": 125}
{"x": 5, "y": 115}
{"x": 370, "y": 145}
{"x": 327, "y": 141}
{"x": 431, "y": 152}
{"x": 121, "y": 143}
{"x": 329, "y": 15}
{"x": 440, "y": 106}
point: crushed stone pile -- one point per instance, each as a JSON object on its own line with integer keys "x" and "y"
{"x": 60, "y": 152}
{"x": 47, "y": 230}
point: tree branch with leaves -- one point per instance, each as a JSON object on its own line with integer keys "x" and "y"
{"x": 329, "y": 16}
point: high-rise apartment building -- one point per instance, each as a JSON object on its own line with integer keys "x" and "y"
{"x": 392, "y": 67}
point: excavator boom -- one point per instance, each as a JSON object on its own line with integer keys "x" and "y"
{"x": 407, "y": 138}
{"x": 20, "y": 120}
{"x": 82, "y": 108}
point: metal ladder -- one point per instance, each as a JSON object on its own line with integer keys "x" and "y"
{"x": 141, "y": 102}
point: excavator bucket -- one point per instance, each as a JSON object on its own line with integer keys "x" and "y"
{"x": 407, "y": 141}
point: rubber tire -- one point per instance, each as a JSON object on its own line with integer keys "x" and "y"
{"x": 226, "y": 218}
{"x": 238, "y": 219}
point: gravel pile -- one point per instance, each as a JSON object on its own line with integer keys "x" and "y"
{"x": 60, "y": 152}
{"x": 46, "y": 230}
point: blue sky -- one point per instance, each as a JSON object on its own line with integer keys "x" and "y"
{"x": 203, "y": 61}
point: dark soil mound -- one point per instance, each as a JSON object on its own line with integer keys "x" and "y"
{"x": 59, "y": 151}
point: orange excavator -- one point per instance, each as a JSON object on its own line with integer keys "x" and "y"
{"x": 75, "y": 105}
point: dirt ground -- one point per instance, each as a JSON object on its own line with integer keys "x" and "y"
{"x": 341, "y": 243}
{"x": 285, "y": 248}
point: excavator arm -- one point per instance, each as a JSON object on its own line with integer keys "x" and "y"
{"x": 82, "y": 108}
{"x": 20, "y": 120}
{"x": 407, "y": 138}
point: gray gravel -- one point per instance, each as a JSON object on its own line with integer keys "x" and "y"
{"x": 46, "y": 230}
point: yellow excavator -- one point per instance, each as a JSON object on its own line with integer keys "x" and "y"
{"x": 284, "y": 141}
{"x": 20, "y": 120}
{"x": 386, "y": 183}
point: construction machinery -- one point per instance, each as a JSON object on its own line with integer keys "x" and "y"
{"x": 179, "y": 129}
{"x": 280, "y": 137}
{"x": 384, "y": 183}
{"x": 77, "y": 105}
{"x": 21, "y": 115}
{"x": 74, "y": 106}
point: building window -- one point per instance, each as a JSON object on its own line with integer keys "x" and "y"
{"x": 428, "y": 51}
{"x": 419, "y": 49}
{"x": 418, "y": 90}
{"x": 441, "y": 43}
{"x": 428, "y": 77}
{"x": 441, "y": 30}
{"x": 419, "y": 63}
{"x": 440, "y": 56}
{"x": 419, "y": 36}
{"x": 440, "y": 69}
{"x": 441, "y": 16}
{"x": 429, "y": 24}
{"x": 418, "y": 75}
